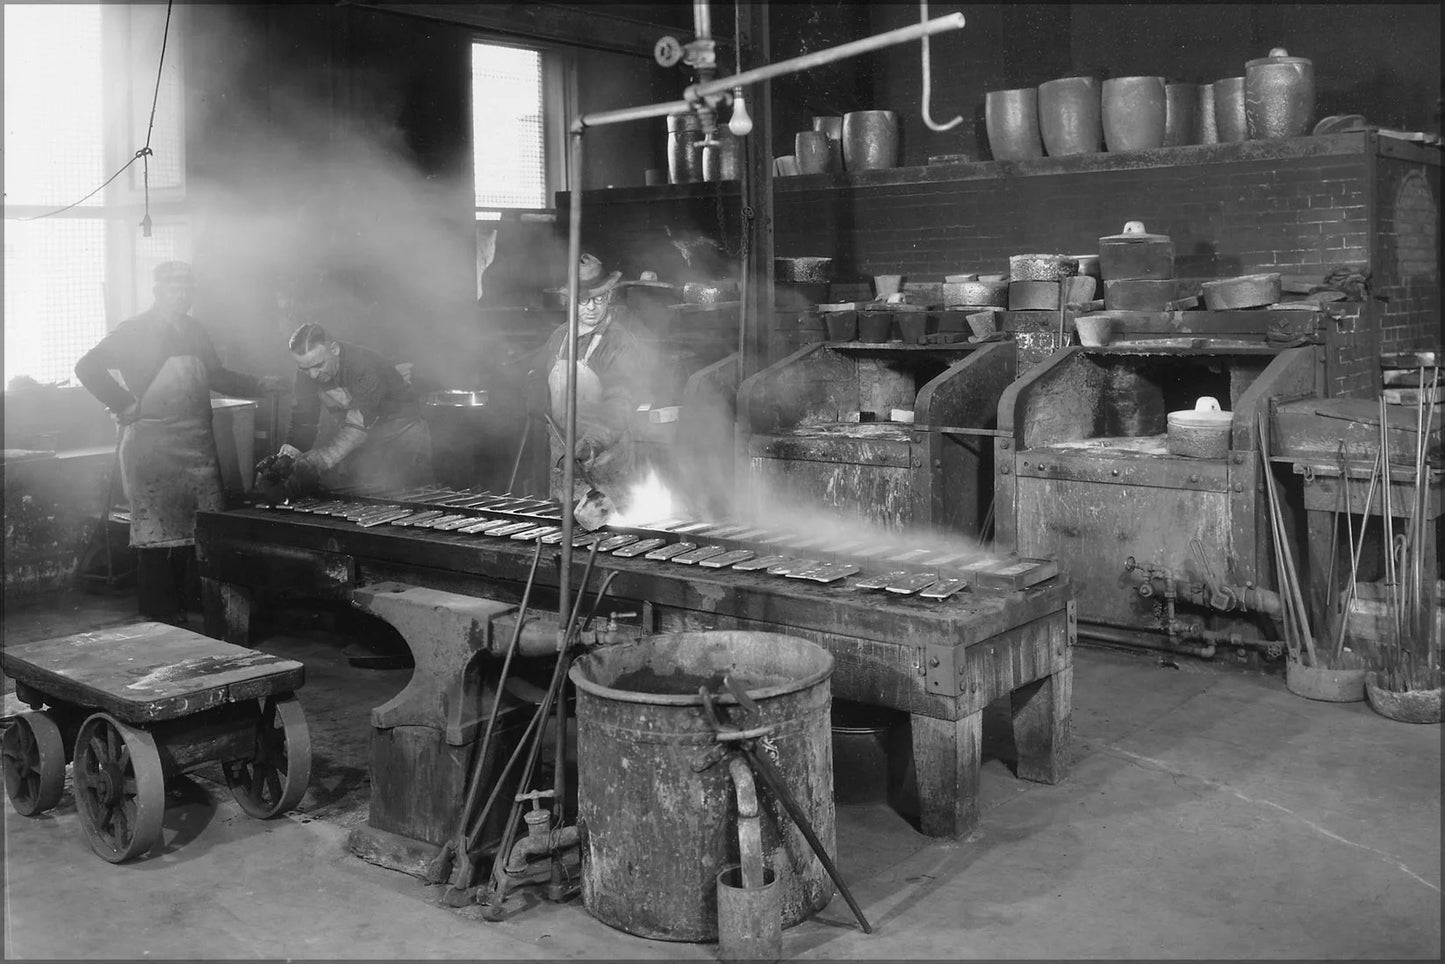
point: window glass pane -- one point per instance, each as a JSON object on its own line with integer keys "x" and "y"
{"x": 53, "y": 123}
{"x": 507, "y": 127}
{"x": 54, "y": 295}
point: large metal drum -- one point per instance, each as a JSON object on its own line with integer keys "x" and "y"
{"x": 655, "y": 831}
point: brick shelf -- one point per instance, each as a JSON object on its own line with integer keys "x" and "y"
{"x": 1353, "y": 143}
{"x": 1298, "y": 206}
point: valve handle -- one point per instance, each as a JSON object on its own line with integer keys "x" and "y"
{"x": 667, "y": 51}
{"x": 536, "y": 797}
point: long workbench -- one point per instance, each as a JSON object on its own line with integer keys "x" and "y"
{"x": 940, "y": 661}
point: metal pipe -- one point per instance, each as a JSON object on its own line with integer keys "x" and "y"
{"x": 625, "y": 114}
{"x": 569, "y": 428}
{"x": 916, "y": 31}
{"x": 1120, "y": 637}
{"x": 701, "y": 20}
{"x": 723, "y": 86}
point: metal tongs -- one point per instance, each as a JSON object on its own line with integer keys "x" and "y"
{"x": 746, "y": 743}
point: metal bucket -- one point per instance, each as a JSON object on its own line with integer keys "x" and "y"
{"x": 860, "y": 753}
{"x": 655, "y": 832}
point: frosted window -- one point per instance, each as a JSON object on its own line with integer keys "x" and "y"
{"x": 509, "y": 144}
{"x": 53, "y": 104}
{"x": 58, "y": 105}
{"x": 54, "y": 295}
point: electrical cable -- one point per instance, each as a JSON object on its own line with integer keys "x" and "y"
{"x": 142, "y": 155}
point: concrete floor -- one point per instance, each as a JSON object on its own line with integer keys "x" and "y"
{"x": 1209, "y": 814}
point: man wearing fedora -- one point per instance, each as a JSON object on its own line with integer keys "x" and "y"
{"x": 169, "y": 468}
{"x": 614, "y": 371}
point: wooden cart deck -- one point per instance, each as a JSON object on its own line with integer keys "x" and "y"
{"x": 147, "y": 672}
{"x": 133, "y": 705}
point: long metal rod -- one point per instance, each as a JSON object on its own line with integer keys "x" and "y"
{"x": 625, "y": 114}
{"x": 569, "y": 433}
{"x": 723, "y": 85}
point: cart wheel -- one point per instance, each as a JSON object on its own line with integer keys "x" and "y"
{"x": 34, "y": 759}
{"x": 274, "y": 779}
{"x": 120, "y": 787}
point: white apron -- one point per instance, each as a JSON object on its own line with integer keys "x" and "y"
{"x": 608, "y": 470}
{"x": 169, "y": 468}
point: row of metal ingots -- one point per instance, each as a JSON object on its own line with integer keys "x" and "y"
{"x": 865, "y": 564}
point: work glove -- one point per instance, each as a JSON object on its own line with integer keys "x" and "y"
{"x": 275, "y": 468}
{"x": 305, "y": 478}
{"x": 274, "y": 384}
{"x": 589, "y": 447}
{"x": 130, "y": 414}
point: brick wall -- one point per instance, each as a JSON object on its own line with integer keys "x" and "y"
{"x": 1353, "y": 350}
{"x": 1296, "y": 215}
{"x": 1406, "y": 243}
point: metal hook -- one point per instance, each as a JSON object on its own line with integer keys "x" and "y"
{"x": 933, "y": 125}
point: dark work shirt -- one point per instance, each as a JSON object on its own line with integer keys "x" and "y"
{"x": 139, "y": 347}
{"x": 624, "y": 362}
{"x": 377, "y": 392}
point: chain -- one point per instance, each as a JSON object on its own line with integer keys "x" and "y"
{"x": 722, "y": 227}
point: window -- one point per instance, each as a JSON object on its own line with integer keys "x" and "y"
{"x": 519, "y": 118}
{"x": 70, "y": 124}
{"x": 520, "y": 108}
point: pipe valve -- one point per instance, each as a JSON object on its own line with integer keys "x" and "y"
{"x": 700, "y": 54}
{"x": 667, "y": 51}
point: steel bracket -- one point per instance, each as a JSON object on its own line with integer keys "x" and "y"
{"x": 943, "y": 669}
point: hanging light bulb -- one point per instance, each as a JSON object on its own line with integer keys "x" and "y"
{"x": 741, "y": 124}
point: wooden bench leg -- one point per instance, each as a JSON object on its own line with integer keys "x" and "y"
{"x": 1041, "y": 711}
{"x": 946, "y": 760}
{"x": 227, "y": 611}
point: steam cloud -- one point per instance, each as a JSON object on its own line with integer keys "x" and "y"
{"x": 305, "y": 211}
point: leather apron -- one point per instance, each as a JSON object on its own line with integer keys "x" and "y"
{"x": 609, "y": 470}
{"x": 169, "y": 467}
{"x": 396, "y": 453}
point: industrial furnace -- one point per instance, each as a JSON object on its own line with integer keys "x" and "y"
{"x": 1167, "y": 550}
{"x": 823, "y": 421}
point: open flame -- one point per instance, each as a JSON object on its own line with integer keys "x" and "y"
{"x": 647, "y": 501}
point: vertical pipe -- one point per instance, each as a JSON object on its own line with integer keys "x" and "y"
{"x": 569, "y": 438}
{"x": 701, "y": 20}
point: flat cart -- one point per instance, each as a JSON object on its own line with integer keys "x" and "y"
{"x": 134, "y": 705}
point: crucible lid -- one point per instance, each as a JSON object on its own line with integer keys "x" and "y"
{"x": 1204, "y": 414}
{"x": 1134, "y": 232}
{"x": 1278, "y": 56}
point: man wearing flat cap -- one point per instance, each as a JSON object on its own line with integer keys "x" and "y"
{"x": 355, "y": 421}
{"x": 168, "y": 368}
{"x": 614, "y": 369}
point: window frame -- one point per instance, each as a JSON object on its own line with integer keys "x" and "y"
{"x": 559, "y": 100}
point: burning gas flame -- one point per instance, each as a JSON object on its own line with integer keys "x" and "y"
{"x": 648, "y": 501}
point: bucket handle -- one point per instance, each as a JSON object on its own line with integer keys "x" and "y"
{"x": 774, "y": 782}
